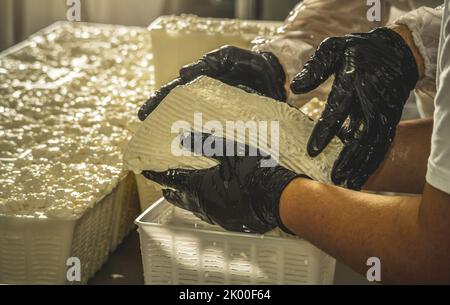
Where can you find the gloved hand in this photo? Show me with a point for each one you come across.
(258, 71)
(238, 194)
(374, 74)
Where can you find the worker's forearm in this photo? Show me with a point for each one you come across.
(405, 165)
(354, 226)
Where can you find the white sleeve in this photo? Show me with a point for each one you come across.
(307, 25)
(424, 24)
(438, 174)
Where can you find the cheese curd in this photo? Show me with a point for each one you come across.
(68, 104)
(181, 40)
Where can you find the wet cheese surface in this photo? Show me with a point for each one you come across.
(68, 104)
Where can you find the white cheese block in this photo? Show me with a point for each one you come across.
(151, 147)
(180, 40)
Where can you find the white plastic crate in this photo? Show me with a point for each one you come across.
(178, 248)
(35, 250)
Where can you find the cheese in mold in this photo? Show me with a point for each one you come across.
(180, 40)
(68, 104)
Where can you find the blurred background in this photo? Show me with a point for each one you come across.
(20, 18)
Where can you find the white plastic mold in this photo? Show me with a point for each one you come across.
(178, 248)
(35, 250)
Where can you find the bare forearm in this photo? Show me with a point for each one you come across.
(405, 165)
(354, 226)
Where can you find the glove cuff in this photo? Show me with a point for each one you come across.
(409, 65)
(266, 189)
(278, 216)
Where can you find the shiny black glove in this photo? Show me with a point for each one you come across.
(258, 72)
(374, 74)
(238, 194)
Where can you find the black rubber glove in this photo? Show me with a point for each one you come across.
(238, 194)
(374, 74)
(259, 72)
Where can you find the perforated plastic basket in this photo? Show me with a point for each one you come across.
(178, 248)
(35, 250)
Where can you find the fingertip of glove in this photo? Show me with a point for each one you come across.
(340, 172)
(358, 181)
(148, 174)
(158, 177)
(313, 148)
(304, 83)
(150, 105)
(313, 152)
(173, 197)
(336, 177)
(142, 114)
(191, 71)
(298, 86)
(282, 96)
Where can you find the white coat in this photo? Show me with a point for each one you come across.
(311, 21)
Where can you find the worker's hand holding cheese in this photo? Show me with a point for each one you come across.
(374, 74)
(239, 193)
(257, 71)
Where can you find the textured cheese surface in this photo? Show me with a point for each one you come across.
(313, 108)
(68, 104)
(191, 23)
(180, 40)
(151, 147)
